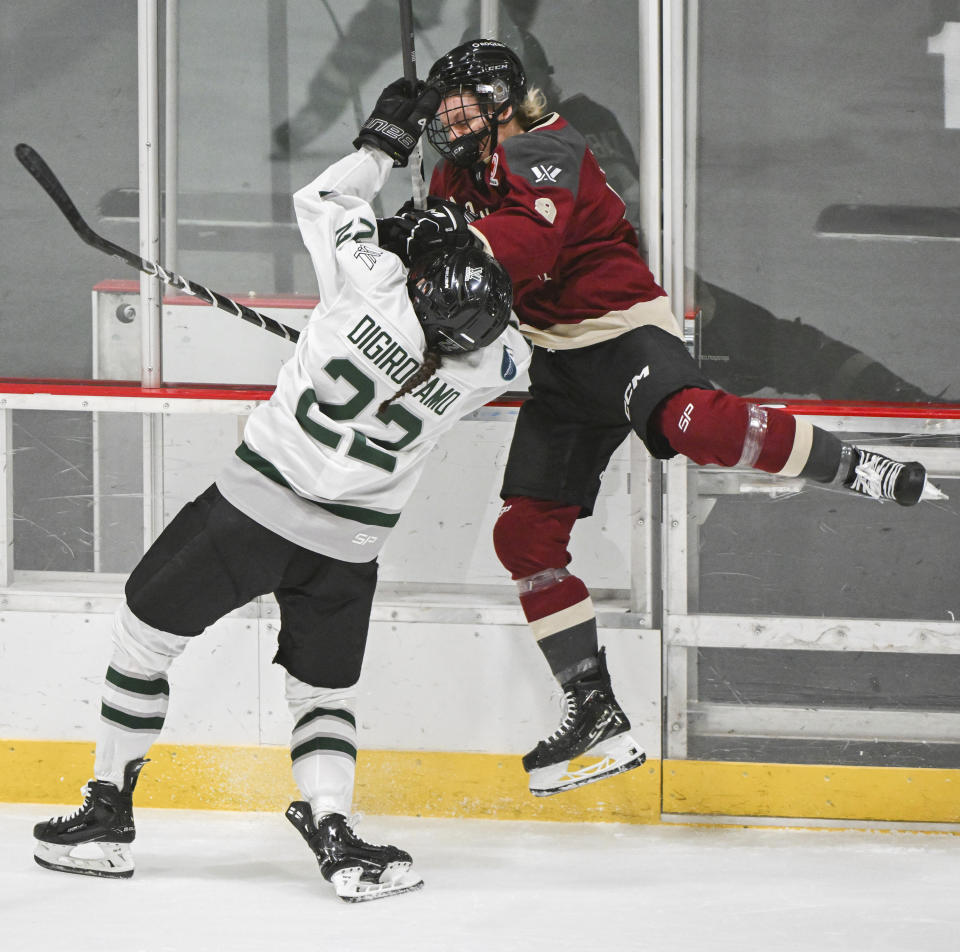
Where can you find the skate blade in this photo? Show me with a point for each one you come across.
(110, 860)
(394, 880)
(931, 492)
(616, 755)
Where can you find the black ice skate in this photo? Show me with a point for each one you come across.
(95, 839)
(357, 870)
(593, 726)
(880, 477)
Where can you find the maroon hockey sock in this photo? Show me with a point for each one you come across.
(712, 426)
(560, 613)
(532, 535)
(531, 538)
(564, 593)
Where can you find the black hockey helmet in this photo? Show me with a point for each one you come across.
(462, 299)
(492, 73)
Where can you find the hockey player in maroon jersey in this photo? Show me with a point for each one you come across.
(608, 358)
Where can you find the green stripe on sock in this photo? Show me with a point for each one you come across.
(130, 720)
(326, 712)
(322, 743)
(153, 686)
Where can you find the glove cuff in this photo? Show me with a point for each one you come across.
(375, 141)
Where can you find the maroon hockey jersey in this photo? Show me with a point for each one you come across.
(550, 218)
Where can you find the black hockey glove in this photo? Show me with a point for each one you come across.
(415, 232)
(398, 119)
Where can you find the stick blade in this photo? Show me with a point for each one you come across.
(35, 164)
(24, 152)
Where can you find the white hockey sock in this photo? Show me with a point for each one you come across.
(135, 693)
(323, 745)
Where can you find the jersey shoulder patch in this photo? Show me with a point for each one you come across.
(367, 255)
(508, 366)
(548, 157)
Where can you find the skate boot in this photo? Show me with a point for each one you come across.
(95, 839)
(357, 870)
(880, 477)
(593, 726)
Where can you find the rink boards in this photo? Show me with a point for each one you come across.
(454, 690)
(445, 711)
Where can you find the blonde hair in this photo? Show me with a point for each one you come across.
(532, 108)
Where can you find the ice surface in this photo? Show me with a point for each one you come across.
(212, 880)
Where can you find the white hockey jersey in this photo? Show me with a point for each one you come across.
(319, 464)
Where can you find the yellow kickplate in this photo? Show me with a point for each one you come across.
(407, 783)
(495, 786)
(492, 786)
(890, 794)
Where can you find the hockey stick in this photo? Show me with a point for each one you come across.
(410, 72)
(33, 162)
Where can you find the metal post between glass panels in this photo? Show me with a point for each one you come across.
(490, 19)
(151, 369)
(6, 498)
(151, 357)
(171, 132)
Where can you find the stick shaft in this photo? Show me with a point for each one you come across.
(33, 162)
(410, 72)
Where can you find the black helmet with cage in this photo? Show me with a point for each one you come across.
(462, 299)
(492, 74)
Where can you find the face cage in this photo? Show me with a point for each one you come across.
(466, 150)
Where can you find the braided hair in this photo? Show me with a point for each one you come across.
(432, 361)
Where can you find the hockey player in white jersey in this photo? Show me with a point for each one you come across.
(386, 364)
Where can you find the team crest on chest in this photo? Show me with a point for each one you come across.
(546, 208)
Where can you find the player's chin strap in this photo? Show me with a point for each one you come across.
(496, 122)
(467, 150)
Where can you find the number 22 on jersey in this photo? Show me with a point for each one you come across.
(375, 452)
